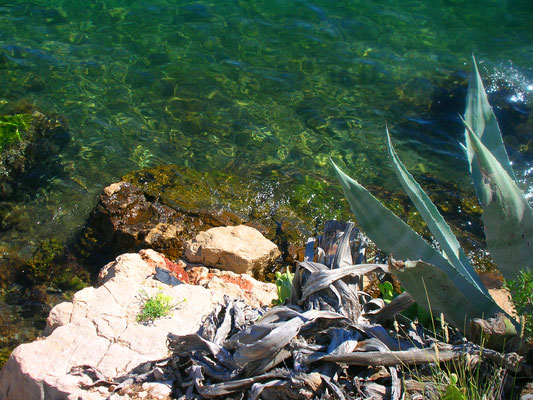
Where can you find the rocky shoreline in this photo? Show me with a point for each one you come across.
(128, 217)
(214, 224)
(98, 328)
(95, 347)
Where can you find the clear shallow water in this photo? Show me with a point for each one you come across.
(264, 89)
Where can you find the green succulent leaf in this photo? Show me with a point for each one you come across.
(283, 285)
(480, 117)
(394, 236)
(437, 225)
(435, 291)
(507, 216)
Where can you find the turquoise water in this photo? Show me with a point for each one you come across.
(264, 89)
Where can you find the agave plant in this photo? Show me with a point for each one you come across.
(444, 281)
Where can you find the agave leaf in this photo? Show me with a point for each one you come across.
(507, 216)
(480, 117)
(433, 290)
(394, 236)
(434, 220)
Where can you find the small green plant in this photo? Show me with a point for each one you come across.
(460, 381)
(387, 291)
(283, 286)
(463, 381)
(156, 306)
(521, 291)
(462, 378)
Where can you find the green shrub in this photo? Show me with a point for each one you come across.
(521, 291)
(154, 307)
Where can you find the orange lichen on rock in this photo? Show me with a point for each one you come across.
(177, 270)
(240, 286)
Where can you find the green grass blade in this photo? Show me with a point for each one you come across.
(430, 286)
(389, 232)
(507, 216)
(480, 117)
(434, 220)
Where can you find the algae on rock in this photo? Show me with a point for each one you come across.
(162, 207)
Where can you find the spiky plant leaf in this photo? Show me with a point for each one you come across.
(433, 289)
(437, 225)
(394, 236)
(480, 117)
(507, 216)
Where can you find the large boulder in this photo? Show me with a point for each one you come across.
(240, 249)
(99, 329)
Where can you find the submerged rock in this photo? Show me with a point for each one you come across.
(98, 329)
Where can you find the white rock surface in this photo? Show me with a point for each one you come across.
(99, 329)
(240, 249)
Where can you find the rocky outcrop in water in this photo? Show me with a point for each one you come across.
(163, 207)
(98, 329)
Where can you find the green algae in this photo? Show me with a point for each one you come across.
(31, 288)
(289, 213)
(16, 328)
(4, 356)
(225, 199)
(49, 265)
(41, 265)
(13, 128)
